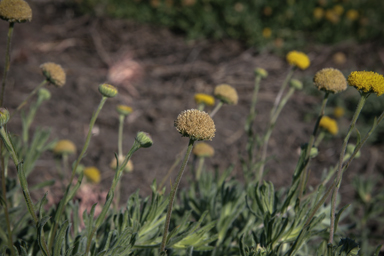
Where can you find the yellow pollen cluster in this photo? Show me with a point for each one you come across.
(203, 149)
(367, 81)
(64, 147)
(329, 124)
(318, 13)
(15, 11)
(267, 32)
(54, 73)
(330, 80)
(298, 59)
(204, 99)
(195, 124)
(226, 94)
(92, 174)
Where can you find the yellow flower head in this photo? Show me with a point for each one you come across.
(15, 11)
(338, 9)
(267, 32)
(226, 94)
(330, 80)
(298, 59)
(332, 16)
(367, 81)
(127, 168)
(352, 15)
(54, 73)
(203, 149)
(92, 174)
(201, 98)
(64, 147)
(195, 124)
(318, 13)
(108, 90)
(124, 110)
(329, 124)
(339, 58)
(338, 112)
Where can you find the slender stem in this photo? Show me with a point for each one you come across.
(282, 88)
(7, 61)
(120, 136)
(360, 105)
(254, 96)
(23, 181)
(174, 165)
(61, 207)
(200, 167)
(4, 194)
(267, 136)
(218, 106)
(25, 101)
(201, 106)
(173, 193)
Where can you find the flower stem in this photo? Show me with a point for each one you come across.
(25, 101)
(282, 88)
(173, 193)
(360, 105)
(7, 61)
(120, 136)
(218, 106)
(199, 168)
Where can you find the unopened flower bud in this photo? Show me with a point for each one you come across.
(107, 90)
(4, 116)
(144, 139)
(261, 72)
(44, 94)
(296, 84)
(124, 110)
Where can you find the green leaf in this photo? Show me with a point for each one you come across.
(40, 235)
(59, 240)
(43, 184)
(338, 215)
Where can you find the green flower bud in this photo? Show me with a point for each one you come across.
(261, 72)
(44, 94)
(314, 152)
(294, 83)
(4, 116)
(107, 90)
(144, 139)
(351, 149)
(124, 110)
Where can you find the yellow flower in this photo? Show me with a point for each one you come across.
(339, 58)
(204, 99)
(124, 110)
(338, 112)
(195, 124)
(338, 9)
(298, 59)
(331, 16)
(318, 13)
(203, 149)
(15, 11)
(352, 15)
(64, 147)
(267, 32)
(329, 124)
(54, 73)
(92, 174)
(330, 80)
(226, 94)
(367, 81)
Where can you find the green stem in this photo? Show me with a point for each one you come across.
(319, 139)
(282, 88)
(173, 193)
(120, 136)
(199, 168)
(29, 120)
(4, 192)
(254, 96)
(201, 106)
(267, 136)
(61, 207)
(22, 104)
(218, 106)
(7, 61)
(23, 180)
(360, 105)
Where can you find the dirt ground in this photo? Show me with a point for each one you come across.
(163, 72)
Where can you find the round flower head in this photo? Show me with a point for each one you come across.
(124, 110)
(298, 59)
(108, 90)
(64, 147)
(195, 124)
(330, 80)
(294, 83)
(352, 15)
(338, 112)
(54, 73)
(318, 13)
(201, 98)
(144, 139)
(15, 11)
(127, 168)
(4, 116)
(203, 149)
(261, 72)
(329, 124)
(367, 81)
(226, 94)
(92, 174)
(43, 94)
